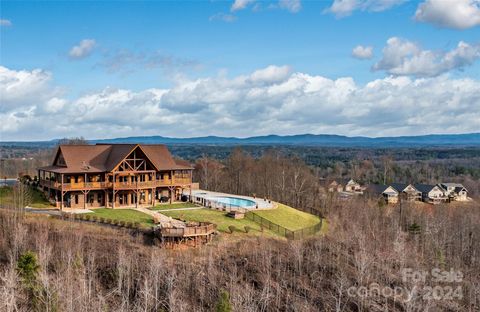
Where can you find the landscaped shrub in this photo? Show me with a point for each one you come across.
(94, 218)
(136, 225)
(108, 221)
(121, 223)
(129, 224)
(88, 217)
(247, 229)
(114, 222)
(101, 220)
(232, 228)
(156, 219)
(223, 304)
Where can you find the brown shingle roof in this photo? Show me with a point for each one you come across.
(117, 153)
(105, 157)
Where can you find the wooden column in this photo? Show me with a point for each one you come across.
(61, 195)
(105, 199)
(190, 193)
(113, 192)
(154, 195)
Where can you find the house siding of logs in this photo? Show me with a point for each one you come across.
(113, 176)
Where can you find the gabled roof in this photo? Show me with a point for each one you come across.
(458, 189)
(80, 158)
(105, 157)
(425, 188)
(117, 153)
(400, 187)
(379, 188)
(342, 181)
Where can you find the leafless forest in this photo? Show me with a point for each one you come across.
(78, 267)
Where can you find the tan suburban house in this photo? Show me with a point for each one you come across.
(345, 185)
(433, 194)
(407, 191)
(455, 191)
(386, 192)
(114, 175)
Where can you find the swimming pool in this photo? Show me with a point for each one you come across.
(233, 201)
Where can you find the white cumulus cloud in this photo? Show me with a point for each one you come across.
(293, 6)
(83, 49)
(223, 17)
(457, 14)
(5, 22)
(403, 57)
(269, 100)
(362, 52)
(342, 8)
(240, 4)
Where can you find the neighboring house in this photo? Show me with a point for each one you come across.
(335, 186)
(113, 175)
(407, 191)
(432, 193)
(455, 191)
(388, 193)
(345, 185)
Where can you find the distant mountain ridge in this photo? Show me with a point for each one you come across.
(469, 139)
(313, 140)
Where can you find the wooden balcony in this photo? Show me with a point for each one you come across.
(118, 185)
(87, 185)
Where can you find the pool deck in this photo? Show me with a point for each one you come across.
(260, 202)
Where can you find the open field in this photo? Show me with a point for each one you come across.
(288, 217)
(127, 215)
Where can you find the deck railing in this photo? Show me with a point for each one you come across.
(118, 185)
(199, 230)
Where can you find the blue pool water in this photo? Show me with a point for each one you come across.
(234, 201)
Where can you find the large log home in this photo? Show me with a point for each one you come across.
(114, 175)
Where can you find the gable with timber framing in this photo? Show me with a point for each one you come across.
(135, 161)
(59, 159)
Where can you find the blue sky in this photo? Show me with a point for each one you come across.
(207, 47)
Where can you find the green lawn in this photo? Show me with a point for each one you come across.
(6, 195)
(289, 217)
(173, 206)
(219, 218)
(127, 215)
(37, 200)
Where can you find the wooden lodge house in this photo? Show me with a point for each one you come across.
(113, 175)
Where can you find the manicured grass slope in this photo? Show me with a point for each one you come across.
(37, 200)
(173, 206)
(127, 215)
(6, 195)
(217, 217)
(288, 217)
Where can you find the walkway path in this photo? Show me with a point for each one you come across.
(164, 220)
